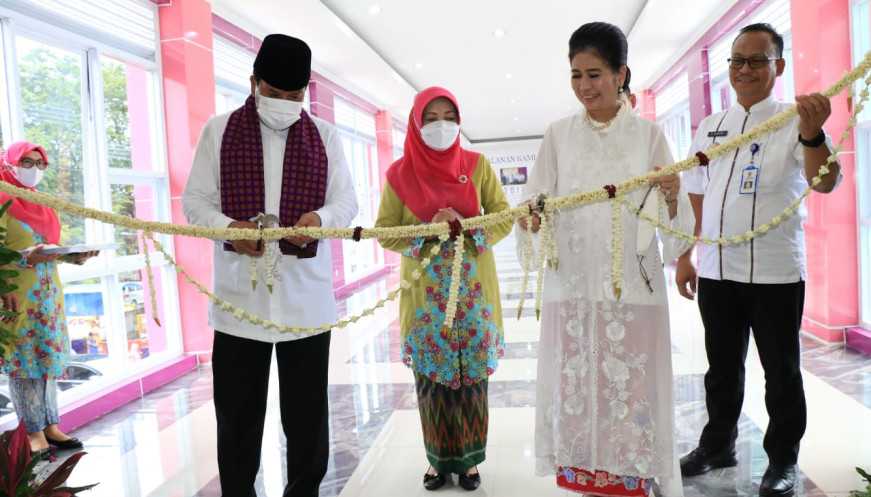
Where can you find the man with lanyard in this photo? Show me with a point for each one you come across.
(758, 284)
(270, 160)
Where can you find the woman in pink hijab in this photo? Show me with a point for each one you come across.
(438, 181)
(40, 354)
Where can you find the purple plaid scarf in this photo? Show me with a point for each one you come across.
(304, 180)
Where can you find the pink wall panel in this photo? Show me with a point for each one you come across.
(189, 92)
(822, 53)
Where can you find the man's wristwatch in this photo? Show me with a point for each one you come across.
(813, 142)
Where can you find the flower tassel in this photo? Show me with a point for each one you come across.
(147, 235)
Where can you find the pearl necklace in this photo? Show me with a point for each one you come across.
(602, 126)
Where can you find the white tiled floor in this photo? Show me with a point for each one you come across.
(395, 465)
(165, 446)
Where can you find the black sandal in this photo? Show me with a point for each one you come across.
(433, 482)
(68, 444)
(470, 482)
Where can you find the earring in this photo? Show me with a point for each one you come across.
(620, 90)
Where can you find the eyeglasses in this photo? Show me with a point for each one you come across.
(28, 163)
(753, 62)
(643, 272)
(640, 258)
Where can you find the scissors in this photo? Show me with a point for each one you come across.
(264, 221)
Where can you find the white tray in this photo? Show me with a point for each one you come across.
(78, 249)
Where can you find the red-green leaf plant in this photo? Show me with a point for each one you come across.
(17, 469)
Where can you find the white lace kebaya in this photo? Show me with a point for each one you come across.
(604, 370)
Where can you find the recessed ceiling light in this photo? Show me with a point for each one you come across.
(508, 76)
(374, 9)
(499, 33)
(516, 118)
(513, 100)
(418, 66)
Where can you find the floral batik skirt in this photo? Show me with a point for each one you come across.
(602, 483)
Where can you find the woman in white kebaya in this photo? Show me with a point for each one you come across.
(605, 419)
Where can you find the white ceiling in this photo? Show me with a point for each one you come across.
(337, 52)
(507, 86)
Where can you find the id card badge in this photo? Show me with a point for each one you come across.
(749, 180)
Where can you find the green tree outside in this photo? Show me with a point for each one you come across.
(51, 91)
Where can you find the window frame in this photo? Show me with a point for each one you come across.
(678, 112)
(862, 141)
(98, 181)
(358, 136)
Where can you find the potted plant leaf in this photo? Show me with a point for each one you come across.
(863, 493)
(17, 469)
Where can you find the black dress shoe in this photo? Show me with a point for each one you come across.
(470, 482)
(778, 481)
(71, 444)
(700, 461)
(433, 482)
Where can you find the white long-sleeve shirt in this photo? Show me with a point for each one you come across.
(304, 294)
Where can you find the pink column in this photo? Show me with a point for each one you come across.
(189, 93)
(384, 138)
(647, 105)
(700, 86)
(821, 47)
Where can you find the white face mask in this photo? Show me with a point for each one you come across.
(29, 177)
(440, 135)
(277, 113)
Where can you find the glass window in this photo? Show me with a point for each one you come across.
(97, 111)
(233, 63)
(357, 131)
(51, 104)
(398, 143)
(361, 258)
(110, 322)
(774, 12)
(861, 36)
(675, 93)
(227, 100)
(722, 95)
(86, 314)
(677, 129)
(863, 187)
(233, 66)
(144, 336)
(134, 200)
(673, 114)
(785, 88)
(129, 103)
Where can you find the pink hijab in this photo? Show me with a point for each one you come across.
(427, 180)
(40, 218)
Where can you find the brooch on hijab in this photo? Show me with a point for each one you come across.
(463, 178)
